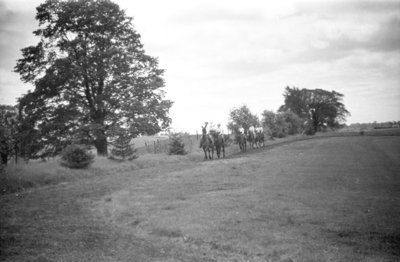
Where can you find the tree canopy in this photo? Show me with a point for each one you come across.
(242, 117)
(318, 108)
(91, 76)
(281, 124)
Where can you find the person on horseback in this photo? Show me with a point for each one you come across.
(204, 128)
(252, 130)
(220, 132)
(207, 142)
(260, 136)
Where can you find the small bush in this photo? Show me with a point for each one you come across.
(123, 150)
(176, 145)
(76, 156)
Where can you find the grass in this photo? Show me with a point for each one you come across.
(327, 199)
(38, 173)
(23, 176)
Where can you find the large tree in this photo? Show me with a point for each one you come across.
(91, 75)
(317, 107)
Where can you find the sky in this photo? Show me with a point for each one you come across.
(220, 55)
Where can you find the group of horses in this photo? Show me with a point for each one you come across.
(255, 140)
(217, 142)
(209, 144)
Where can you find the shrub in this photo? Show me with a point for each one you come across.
(281, 124)
(76, 156)
(176, 145)
(123, 150)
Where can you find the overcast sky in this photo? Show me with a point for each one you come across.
(219, 55)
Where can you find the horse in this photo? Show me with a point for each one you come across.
(219, 143)
(241, 139)
(207, 144)
(260, 139)
(252, 139)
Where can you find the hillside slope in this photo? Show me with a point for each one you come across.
(328, 199)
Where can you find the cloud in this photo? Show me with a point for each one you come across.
(342, 7)
(387, 38)
(209, 14)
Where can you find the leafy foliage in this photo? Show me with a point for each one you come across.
(318, 108)
(176, 145)
(91, 74)
(281, 124)
(76, 156)
(241, 117)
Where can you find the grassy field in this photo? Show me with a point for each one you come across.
(326, 199)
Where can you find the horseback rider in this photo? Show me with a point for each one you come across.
(252, 131)
(219, 131)
(208, 135)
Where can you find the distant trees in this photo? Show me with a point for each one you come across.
(242, 117)
(318, 108)
(304, 110)
(281, 124)
(91, 74)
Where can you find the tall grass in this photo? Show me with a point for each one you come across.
(26, 175)
(22, 176)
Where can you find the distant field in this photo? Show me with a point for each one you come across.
(141, 141)
(371, 132)
(326, 199)
(159, 144)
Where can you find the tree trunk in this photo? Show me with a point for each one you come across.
(4, 158)
(4, 152)
(101, 145)
(100, 141)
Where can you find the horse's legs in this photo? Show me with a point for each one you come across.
(223, 151)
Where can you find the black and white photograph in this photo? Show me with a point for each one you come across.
(216, 131)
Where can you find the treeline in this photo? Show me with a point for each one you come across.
(375, 125)
(304, 111)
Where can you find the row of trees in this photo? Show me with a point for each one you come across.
(304, 110)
